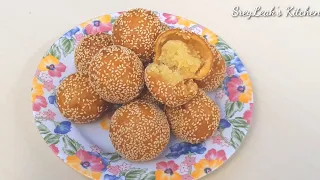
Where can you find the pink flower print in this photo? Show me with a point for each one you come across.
(183, 168)
(49, 115)
(115, 170)
(39, 102)
(167, 165)
(217, 140)
(44, 77)
(230, 71)
(215, 155)
(37, 73)
(170, 19)
(97, 26)
(125, 167)
(79, 37)
(189, 161)
(56, 70)
(49, 85)
(187, 177)
(247, 116)
(54, 149)
(96, 149)
(91, 161)
(239, 88)
(196, 29)
(220, 94)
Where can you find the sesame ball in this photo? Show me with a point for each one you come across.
(148, 97)
(181, 57)
(116, 74)
(139, 131)
(196, 120)
(77, 101)
(137, 29)
(217, 73)
(88, 48)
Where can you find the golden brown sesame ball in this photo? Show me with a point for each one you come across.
(88, 48)
(180, 58)
(216, 76)
(147, 96)
(139, 131)
(116, 74)
(196, 120)
(137, 30)
(77, 101)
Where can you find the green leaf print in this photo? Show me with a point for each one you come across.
(115, 157)
(149, 176)
(70, 145)
(135, 174)
(43, 129)
(225, 51)
(239, 122)
(54, 51)
(52, 138)
(232, 108)
(236, 137)
(67, 45)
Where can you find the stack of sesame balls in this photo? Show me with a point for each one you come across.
(144, 66)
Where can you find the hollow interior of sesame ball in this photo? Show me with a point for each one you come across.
(177, 61)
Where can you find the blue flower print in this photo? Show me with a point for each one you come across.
(111, 177)
(52, 99)
(185, 148)
(71, 33)
(224, 124)
(63, 127)
(238, 64)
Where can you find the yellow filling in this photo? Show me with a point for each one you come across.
(178, 61)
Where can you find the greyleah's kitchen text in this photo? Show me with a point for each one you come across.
(290, 11)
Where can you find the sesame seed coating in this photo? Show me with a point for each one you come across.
(217, 73)
(196, 120)
(137, 29)
(77, 101)
(139, 131)
(88, 48)
(116, 74)
(148, 97)
(167, 93)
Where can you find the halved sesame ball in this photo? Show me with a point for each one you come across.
(217, 74)
(181, 57)
(77, 101)
(139, 131)
(88, 48)
(196, 120)
(137, 29)
(116, 74)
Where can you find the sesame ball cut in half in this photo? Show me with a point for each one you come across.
(196, 120)
(180, 58)
(77, 101)
(88, 48)
(137, 29)
(139, 131)
(217, 73)
(116, 74)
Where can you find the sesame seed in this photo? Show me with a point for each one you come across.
(139, 131)
(88, 48)
(77, 100)
(196, 120)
